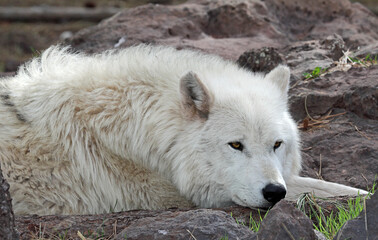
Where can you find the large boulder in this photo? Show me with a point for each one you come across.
(197, 224)
(286, 222)
(229, 28)
(364, 226)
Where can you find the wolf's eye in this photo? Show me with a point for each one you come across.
(236, 145)
(277, 145)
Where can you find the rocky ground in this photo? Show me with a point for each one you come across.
(336, 111)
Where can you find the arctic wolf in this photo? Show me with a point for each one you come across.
(148, 128)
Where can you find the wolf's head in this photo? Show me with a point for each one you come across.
(245, 143)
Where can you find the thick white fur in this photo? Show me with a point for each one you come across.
(121, 131)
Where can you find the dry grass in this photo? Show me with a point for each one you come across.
(311, 123)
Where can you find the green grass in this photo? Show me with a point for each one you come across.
(315, 73)
(330, 224)
(224, 238)
(346, 60)
(253, 224)
(366, 61)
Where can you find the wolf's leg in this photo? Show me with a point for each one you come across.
(298, 185)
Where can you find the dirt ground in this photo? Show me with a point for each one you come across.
(20, 41)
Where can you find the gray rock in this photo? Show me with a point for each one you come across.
(195, 224)
(285, 222)
(319, 235)
(352, 230)
(362, 227)
(372, 217)
(7, 226)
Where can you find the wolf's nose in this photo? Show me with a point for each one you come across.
(274, 192)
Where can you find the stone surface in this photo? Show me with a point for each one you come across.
(107, 226)
(352, 230)
(372, 219)
(362, 227)
(319, 235)
(347, 145)
(228, 28)
(7, 225)
(286, 222)
(261, 60)
(196, 224)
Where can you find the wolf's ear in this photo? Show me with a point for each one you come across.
(280, 76)
(195, 96)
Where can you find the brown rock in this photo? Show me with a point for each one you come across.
(345, 150)
(109, 225)
(286, 222)
(335, 44)
(354, 90)
(229, 28)
(347, 146)
(197, 224)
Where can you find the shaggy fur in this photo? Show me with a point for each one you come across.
(146, 128)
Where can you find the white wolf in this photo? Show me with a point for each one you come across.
(148, 128)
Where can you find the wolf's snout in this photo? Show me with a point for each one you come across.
(274, 192)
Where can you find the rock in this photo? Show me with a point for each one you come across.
(336, 45)
(359, 228)
(319, 235)
(197, 224)
(372, 220)
(230, 28)
(109, 225)
(285, 222)
(347, 145)
(7, 226)
(347, 149)
(260, 60)
(304, 20)
(343, 89)
(352, 230)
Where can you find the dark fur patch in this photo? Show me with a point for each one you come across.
(6, 101)
(171, 145)
(20, 117)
